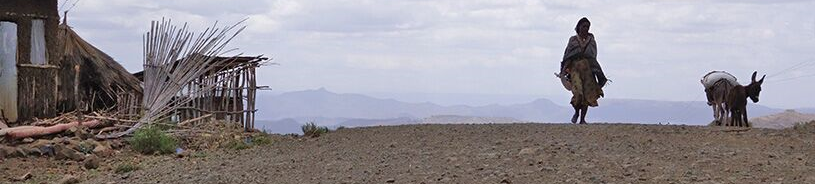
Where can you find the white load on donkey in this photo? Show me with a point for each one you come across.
(717, 86)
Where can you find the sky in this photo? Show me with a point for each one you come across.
(655, 50)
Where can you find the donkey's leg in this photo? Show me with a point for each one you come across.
(744, 116)
(715, 112)
(733, 117)
(723, 114)
(736, 118)
(718, 113)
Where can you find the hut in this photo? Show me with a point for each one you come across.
(233, 97)
(46, 68)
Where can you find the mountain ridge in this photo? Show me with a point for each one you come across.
(328, 108)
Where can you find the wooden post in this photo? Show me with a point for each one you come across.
(77, 99)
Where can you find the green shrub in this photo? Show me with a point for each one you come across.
(312, 130)
(126, 167)
(262, 139)
(237, 145)
(151, 140)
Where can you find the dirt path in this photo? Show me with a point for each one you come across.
(509, 153)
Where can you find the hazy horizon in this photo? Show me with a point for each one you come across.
(651, 50)
(284, 113)
(469, 99)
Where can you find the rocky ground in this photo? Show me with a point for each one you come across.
(496, 153)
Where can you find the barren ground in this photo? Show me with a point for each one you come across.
(508, 153)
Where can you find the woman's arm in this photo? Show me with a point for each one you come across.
(572, 48)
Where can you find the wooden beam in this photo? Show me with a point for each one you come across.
(38, 66)
(194, 120)
(111, 119)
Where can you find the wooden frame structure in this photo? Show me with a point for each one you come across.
(233, 97)
(233, 100)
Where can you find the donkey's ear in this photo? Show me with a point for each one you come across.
(762, 79)
(754, 76)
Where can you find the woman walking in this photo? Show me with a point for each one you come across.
(582, 70)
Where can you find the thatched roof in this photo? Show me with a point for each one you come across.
(99, 71)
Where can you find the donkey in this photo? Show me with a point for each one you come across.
(717, 96)
(737, 100)
(717, 85)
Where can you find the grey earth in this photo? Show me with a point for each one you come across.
(502, 153)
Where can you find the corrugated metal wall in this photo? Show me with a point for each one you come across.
(8, 70)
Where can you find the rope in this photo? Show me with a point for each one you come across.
(72, 6)
(792, 78)
(797, 66)
(63, 4)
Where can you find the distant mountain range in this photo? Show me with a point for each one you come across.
(786, 119)
(284, 113)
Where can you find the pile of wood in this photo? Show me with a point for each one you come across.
(69, 136)
(51, 126)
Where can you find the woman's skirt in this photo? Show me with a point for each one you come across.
(585, 90)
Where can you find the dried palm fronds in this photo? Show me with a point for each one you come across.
(173, 58)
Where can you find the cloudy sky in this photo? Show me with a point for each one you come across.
(650, 49)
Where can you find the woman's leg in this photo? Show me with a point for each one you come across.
(576, 113)
(583, 112)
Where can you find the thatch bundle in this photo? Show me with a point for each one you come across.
(97, 78)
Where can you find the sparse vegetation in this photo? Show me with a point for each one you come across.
(93, 173)
(237, 145)
(199, 154)
(803, 125)
(126, 168)
(261, 139)
(165, 125)
(312, 130)
(85, 147)
(151, 140)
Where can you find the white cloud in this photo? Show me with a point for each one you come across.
(489, 46)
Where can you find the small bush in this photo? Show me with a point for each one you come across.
(312, 130)
(247, 142)
(262, 139)
(237, 145)
(803, 125)
(126, 168)
(151, 140)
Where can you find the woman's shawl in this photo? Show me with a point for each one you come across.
(578, 48)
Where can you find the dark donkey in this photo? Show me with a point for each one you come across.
(737, 101)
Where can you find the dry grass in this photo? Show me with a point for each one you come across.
(126, 168)
(312, 130)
